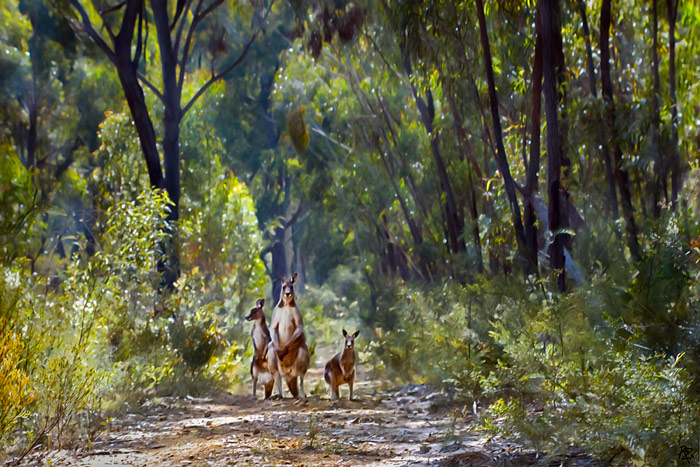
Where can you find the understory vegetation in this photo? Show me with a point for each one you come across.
(503, 198)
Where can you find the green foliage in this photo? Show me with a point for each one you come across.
(557, 371)
(571, 385)
(16, 389)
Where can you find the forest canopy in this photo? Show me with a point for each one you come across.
(503, 196)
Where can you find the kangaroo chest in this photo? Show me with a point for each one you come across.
(285, 322)
(347, 361)
(260, 338)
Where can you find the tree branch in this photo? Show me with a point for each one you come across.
(215, 4)
(86, 25)
(221, 74)
(139, 38)
(228, 69)
(186, 48)
(150, 86)
(116, 7)
(295, 217)
(178, 34)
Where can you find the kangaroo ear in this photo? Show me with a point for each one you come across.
(345, 333)
(260, 302)
(357, 333)
(294, 277)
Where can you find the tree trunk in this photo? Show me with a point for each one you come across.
(605, 154)
(621, 175)
(33, 140)
(279, 263)
(590, 69)
(555, 211)
(659, 169)
(454, 221)
(464, 147)
(533, 166)
(412, 227)
(501, 158)
(560, 69)
(672, 10)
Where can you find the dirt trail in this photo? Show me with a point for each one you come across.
(412, 426)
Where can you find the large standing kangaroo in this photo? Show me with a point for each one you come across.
(287, 330)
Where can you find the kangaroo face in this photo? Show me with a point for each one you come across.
(350, 339)
(257, 312)
(287, 294)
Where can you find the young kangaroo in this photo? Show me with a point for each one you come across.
(263, 368)
(341, 368)
(287, 331)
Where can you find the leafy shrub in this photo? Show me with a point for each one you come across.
(15, 387)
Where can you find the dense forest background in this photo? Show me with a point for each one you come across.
(503, 196)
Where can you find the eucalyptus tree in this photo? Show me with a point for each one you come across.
(177, 51)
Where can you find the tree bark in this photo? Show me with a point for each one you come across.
(533, 165)
(590, 69)
(171, 124)
(556, 206)
(621, 175)
(172, 110)
(464, 147)
(454, 220)
(659, 169)
(672, 11)
(127, 72)
(501, 158)
(605, 154)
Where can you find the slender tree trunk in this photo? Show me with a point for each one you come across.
(621, 175)
(659, 169)
(554, 148)
(412, 227)
(560, 70)
(144, 126)
(590, 69)
(672, 10)
(454, 221)
(501, 158)
(32, 142)
(605, 154)
(127, 72)
(171, 124)
(533, 166)
(463, 145)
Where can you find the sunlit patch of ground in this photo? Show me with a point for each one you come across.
(412, 426)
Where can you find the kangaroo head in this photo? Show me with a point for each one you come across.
(350, 339)
(257, 312)
(287, 293)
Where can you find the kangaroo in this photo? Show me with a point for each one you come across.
(287, 330)
(263, 368)
(341, 368)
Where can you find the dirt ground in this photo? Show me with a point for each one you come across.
(409, 426)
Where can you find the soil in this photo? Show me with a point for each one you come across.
(409, 426)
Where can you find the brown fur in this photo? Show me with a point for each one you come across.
(341, 368)
(287, 331)
(264, 365)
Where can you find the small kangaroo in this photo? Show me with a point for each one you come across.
(263, 368)
(341, 368)
(287, 331)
